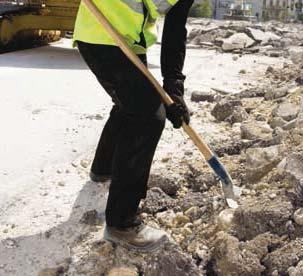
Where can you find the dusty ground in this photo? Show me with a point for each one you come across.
(52, 216)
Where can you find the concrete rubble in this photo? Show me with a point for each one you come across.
(257, 132)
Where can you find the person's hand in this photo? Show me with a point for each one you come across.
(178, 111)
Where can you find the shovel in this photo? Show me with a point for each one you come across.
(210, 157)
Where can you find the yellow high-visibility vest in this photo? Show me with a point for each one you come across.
(133, 19)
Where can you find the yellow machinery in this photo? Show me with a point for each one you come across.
(35, 19)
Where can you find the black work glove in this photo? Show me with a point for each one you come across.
(177, 112)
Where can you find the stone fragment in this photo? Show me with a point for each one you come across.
(170, 262)
(292, 165)
(203, 96)
(84, 163)
(252, 130)
(287, 111)
(277, 122)
(296, 54)
(261, 36)
(225, 108)
(123, 271)
(284, 257)
(157, 201)
(193, 213)
(180, 220)
(225, 218)
(237, 41)
(257, 216)
(280, 92)
(170, 185)
(298, 216)
(296, 271)
(166, 218)
(229, 258)
(260, 161)
(238, 115)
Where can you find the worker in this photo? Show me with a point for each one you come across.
(130, 136)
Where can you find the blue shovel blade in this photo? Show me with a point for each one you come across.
(227, 183)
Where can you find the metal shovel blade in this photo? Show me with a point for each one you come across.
(227, 183)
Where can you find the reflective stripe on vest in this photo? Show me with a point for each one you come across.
(134, 5)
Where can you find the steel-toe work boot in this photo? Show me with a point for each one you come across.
(141, 238)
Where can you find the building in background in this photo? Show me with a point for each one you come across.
(264, 10)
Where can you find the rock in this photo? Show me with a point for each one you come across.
(261, 36)
(170, 261)
(292, 165)
(170, 185)
(287, 111)
(157, 201)
(166, 218)
(203, 96)
(192, 199)
(229, 259)
(277, 122)
(180, 220)
(123, 271)
(242, 71)
(237, 41)
(84, 163)
(238, 115)
(225, 108)
(298, 216)
(290, 125)
(225, 218)
(284, 257)
(272, 94)
(257, 216)
(193, 213)
(260, 161)
(296, 271)
(296, 54)
(253, 130)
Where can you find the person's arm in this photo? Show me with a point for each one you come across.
(172, 61)
(174, 40)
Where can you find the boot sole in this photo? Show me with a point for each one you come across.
(149, 248)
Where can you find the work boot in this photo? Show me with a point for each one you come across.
(98, 178)
(141, 238)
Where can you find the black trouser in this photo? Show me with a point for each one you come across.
(131, 134)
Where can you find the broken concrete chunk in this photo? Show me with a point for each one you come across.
(252, 130)
(257, 216)
(203, 96)
(284, 257)
(261, 36)
(287, 111)
(276, 93)
(292, 165)
(237, 41)
(260, 161)
(298, 216)
(296, 54)
(123, 271)
(225, 108)
(230, 259)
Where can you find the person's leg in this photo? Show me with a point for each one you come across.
(134, 143)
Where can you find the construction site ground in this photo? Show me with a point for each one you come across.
(247, 104)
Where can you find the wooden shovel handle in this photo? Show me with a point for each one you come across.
(198, 141)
